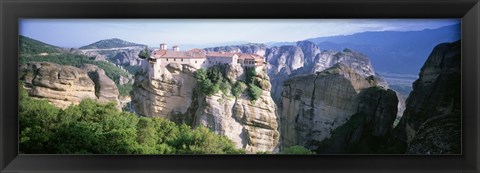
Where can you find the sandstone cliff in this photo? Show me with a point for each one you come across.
(313, 106)
(66, 85)
(166, 96)
(105, 88)
(431, 123)
(252, 125)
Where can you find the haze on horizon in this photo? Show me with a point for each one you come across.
(207, 32)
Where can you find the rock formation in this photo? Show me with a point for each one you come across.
(66, 85)
(166, 96)
(250, 48)
(431, 123)
(313, 106)
(128, 57)
(303, 58)
(306, 58)
(105, 88)
(252, 125)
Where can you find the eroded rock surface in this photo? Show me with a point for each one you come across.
(66, 85)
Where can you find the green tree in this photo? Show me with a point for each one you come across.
(225, 87)
(238, 88)
(37, 124)
(296, 149)
(254, 91)
(145, 53)
(251, 73)
(215, 74)
(201, 74)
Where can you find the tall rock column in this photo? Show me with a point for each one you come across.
(431, 123)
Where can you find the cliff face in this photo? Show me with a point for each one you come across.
(303, 58)
(66, 85)
(307, 58)
(172, 94)
(251, 125)
(105, 88)
(118, 55)
(431, 123)
(313, 106)
(251, 48)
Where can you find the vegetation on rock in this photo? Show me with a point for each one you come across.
(93, 128)
(213, 80)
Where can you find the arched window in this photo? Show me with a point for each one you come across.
(167, 59)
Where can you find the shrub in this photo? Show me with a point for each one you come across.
(254, 91)
(225, 87)
(297, 150)
(238, 88)
(145, 53)
(201, 74)
(251, 73)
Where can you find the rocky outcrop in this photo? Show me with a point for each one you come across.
(431, 123)
(105, 88)
(66, 85)
(172, 94)
(127, 57)
(313, 106)
(251, 48)
(251, 125)
(306, 58)
(366, 130)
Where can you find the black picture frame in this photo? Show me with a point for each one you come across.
(11, 11)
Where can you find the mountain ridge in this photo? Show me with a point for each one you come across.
(111, 43)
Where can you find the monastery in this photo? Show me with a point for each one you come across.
(198, 58)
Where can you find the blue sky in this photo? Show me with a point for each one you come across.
(79, 32)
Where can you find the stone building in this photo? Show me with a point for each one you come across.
(198, 58)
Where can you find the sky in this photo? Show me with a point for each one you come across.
(74, 33)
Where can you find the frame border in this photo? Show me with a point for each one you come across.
(11, 11)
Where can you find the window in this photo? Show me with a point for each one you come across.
(167, 59)
(182, 59)
(195, 61)
(174, 59)
(238, 61)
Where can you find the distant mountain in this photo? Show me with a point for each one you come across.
(111, 43)
(391, 51)
(30, 46)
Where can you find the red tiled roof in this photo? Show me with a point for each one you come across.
(178, 54)
(250, 56)
(159, 53)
